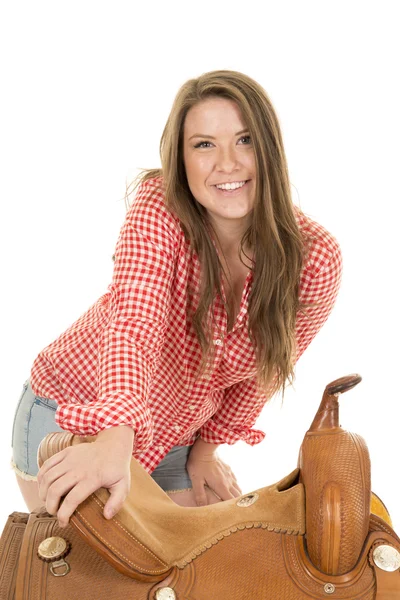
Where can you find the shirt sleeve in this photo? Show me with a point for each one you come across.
(320, 283)
(131, 341)
(234, 419)
(243, 402)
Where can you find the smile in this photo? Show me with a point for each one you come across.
(230, 186)
(232, 189)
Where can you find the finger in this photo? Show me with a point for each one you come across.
(73, 499)
(223, 491)
(59, 488)
(49, 464)
(50, 478)
(118, 494)
(199, 492)
(236, 491)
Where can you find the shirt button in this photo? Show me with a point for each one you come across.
(191, 406)
(177, 427)
(161, 448)
(218, 342)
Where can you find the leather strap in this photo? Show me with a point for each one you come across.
(387, 584)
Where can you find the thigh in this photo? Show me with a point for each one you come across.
(34, 418)
(172, 476)
(171, 473)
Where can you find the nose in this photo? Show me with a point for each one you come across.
(226, 159)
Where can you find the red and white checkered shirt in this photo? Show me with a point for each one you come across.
(131, 358)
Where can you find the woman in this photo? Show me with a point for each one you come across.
(219, 285)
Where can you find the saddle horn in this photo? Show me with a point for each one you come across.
(336, 472)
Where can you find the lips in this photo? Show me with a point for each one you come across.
(234, 192)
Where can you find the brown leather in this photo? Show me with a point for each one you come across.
(10, 546)
(142, 526)
(252, 563)
(336, 472)
(311, 535)
(90, 576)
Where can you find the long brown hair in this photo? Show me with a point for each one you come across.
(273, 235)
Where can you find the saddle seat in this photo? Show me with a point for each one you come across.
(161, 535)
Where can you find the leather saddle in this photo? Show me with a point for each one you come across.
(317, 533)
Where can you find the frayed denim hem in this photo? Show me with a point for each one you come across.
(21, 474)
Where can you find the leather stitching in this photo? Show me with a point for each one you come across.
(106, 543)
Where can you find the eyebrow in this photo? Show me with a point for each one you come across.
(211, 137)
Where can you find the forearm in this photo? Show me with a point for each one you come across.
(122, 434)
(204, 448)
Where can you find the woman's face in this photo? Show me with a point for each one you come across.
(217, 149)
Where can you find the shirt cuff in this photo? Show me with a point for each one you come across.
(89, 419)
(214, 433)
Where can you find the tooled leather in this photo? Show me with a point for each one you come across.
(357, 584)
(33, 572)
(228, 572)
(250, 564)
(90, 578)
(378, 524)
(340, 456)
(10, 547)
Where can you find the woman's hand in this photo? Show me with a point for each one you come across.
(78, 471)
(206, 468)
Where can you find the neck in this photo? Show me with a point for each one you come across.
(228, 238)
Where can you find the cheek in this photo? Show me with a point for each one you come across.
(197, 170)
(251, 163)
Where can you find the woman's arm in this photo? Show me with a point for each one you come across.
(78, 471)
(129, 347)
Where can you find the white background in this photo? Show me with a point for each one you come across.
(86, 89)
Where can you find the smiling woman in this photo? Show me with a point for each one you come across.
(219, 286)
(228, 162)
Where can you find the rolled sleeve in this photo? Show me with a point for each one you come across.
(234, 420)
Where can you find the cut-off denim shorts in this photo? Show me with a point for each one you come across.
(35, 418)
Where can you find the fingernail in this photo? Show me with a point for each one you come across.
(110, 514)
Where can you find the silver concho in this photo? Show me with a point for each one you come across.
(248, 500)
(386, 558)
(329, 588)
(165, 593)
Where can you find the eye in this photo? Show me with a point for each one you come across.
(246, 137)
(200, 144)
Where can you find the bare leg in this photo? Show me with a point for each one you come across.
(30, 492)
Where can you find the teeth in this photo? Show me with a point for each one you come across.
(231, 186)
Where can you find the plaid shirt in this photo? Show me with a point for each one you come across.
(131, 358)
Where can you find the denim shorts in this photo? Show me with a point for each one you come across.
(35, 418)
